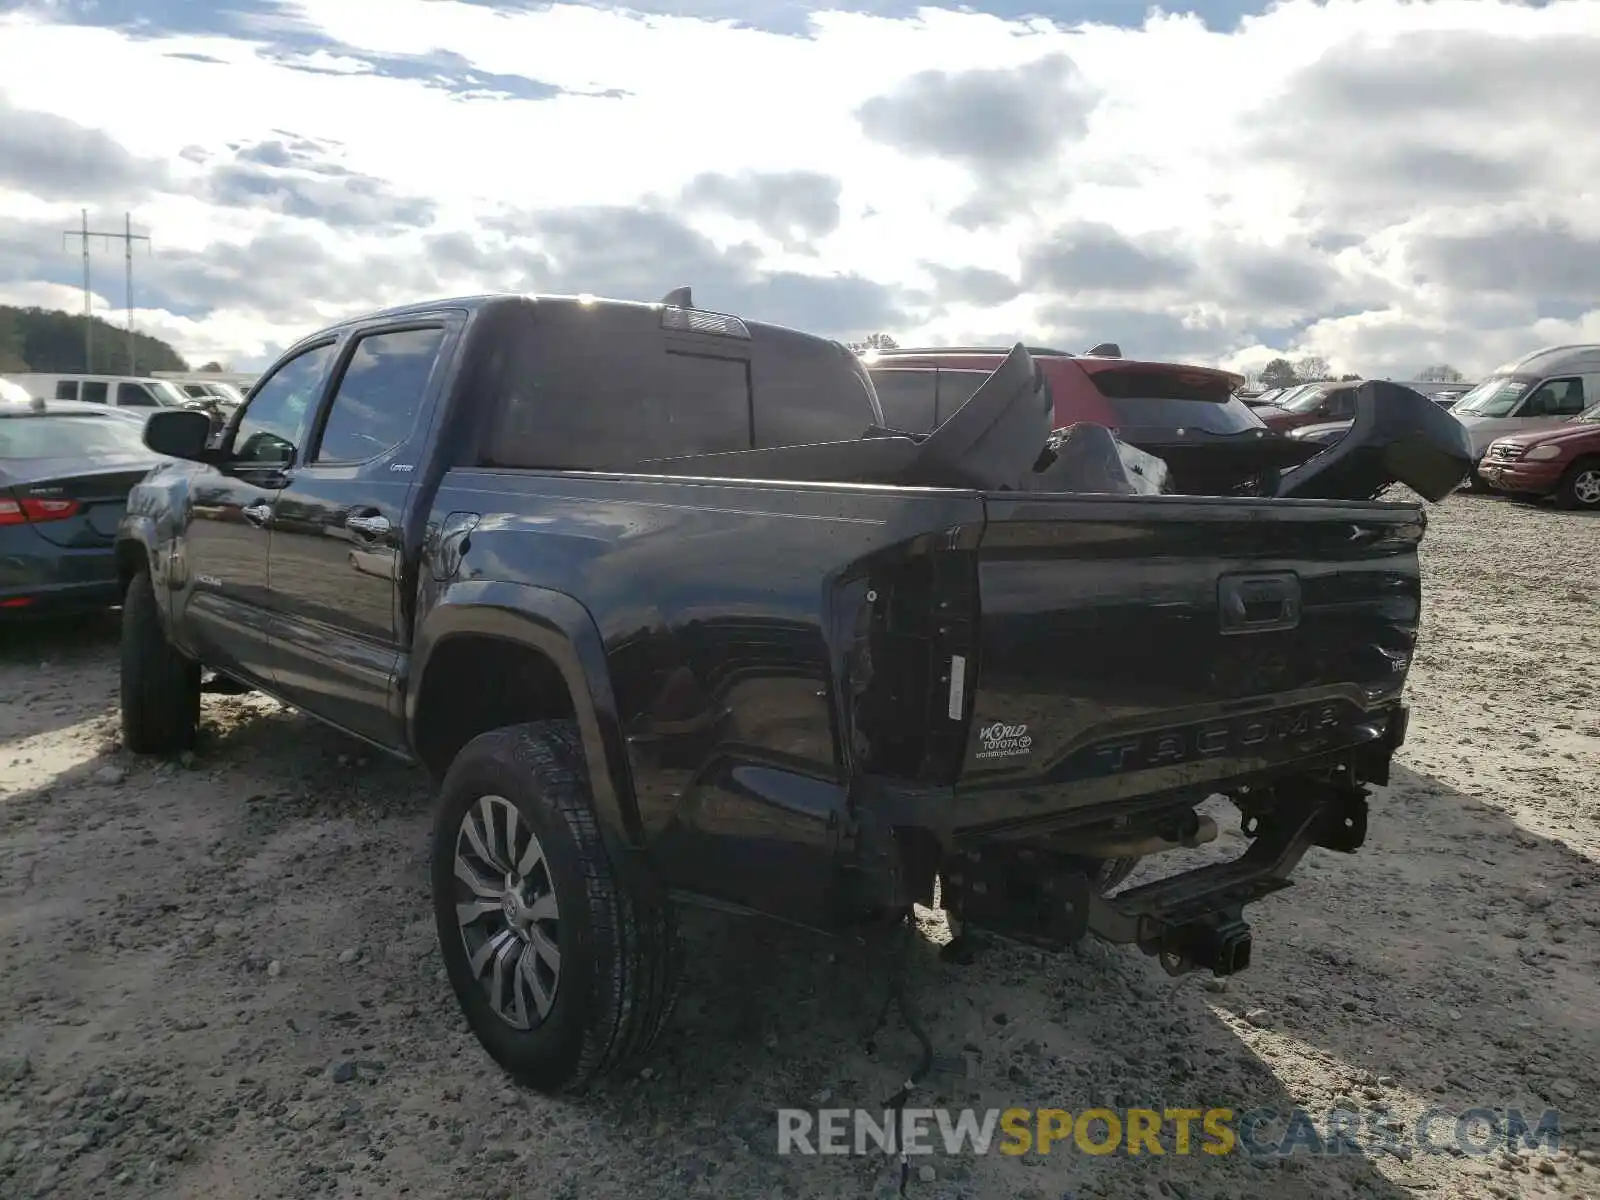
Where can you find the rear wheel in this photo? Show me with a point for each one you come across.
(1580, 486)
(564, 963)
(160, 688)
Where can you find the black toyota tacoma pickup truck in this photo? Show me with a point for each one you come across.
(675, 619)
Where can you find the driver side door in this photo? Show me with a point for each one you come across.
(226, 615)
(339, 529)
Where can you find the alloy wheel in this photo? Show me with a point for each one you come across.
(507, 912)
(1586, 487)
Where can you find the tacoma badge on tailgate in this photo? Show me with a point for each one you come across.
(1287, 733)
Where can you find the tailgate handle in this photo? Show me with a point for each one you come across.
(1258, 603)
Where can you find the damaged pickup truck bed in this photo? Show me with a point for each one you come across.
(676, 620)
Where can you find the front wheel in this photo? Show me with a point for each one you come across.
(160, 688)
(1580, 486)
(565, 966)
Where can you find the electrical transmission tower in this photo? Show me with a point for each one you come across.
(127, 237)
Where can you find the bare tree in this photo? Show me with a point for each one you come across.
(1313, 368)
(875, 341)
(1440, 373)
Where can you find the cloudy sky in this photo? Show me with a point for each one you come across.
(1384, 184)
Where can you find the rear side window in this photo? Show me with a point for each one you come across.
(94, 391)
(66, 389)
(375, 405)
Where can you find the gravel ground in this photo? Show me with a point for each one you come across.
(218, 977)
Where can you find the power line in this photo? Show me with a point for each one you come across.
(127, 237)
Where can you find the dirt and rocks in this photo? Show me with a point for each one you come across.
(218, 976)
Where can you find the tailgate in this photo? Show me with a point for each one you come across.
(1130, 647)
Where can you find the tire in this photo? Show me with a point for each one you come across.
(160, 687)
(614, 982)
(1580, 486)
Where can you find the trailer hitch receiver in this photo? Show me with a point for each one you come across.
(1221, 947)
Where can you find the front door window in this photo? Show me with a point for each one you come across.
(1556, 398)
(271, 420)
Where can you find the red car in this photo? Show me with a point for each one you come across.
(1313, 406)
(1563, 461)
(1187, 416)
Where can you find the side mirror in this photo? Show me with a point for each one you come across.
(178, 433)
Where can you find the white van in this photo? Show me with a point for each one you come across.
(1536, 391)
(117, 391)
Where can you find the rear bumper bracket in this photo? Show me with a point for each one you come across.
(1194, 920)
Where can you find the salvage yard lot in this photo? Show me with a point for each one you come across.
(218, 977)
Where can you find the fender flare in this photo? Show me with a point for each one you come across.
(142, 533)
(562, 629)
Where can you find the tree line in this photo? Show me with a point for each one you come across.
(1281, 373)
(42, 339)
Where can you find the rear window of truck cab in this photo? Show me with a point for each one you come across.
(602, 387)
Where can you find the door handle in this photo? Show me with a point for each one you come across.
(257, 514)
(374, 526)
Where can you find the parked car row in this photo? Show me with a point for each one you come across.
(68, 441)
(133, 393)
(113, 391)
(1534, 423)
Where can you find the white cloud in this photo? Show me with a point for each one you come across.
(1313, 181)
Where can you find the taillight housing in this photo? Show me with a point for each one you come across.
(33, 510)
